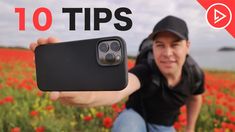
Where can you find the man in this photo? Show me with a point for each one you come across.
(150, 107)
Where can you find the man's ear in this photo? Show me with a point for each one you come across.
(188, 43)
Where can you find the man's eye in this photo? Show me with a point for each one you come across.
(175, 45)
(158, 45)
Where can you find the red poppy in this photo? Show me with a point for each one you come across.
(116, 108)
(9, 99)
(34, 113)
(231, 126)
(182, 119)
(2, 102)
(123, 106)
(99, 114)
(15, 129)
(40, 129)
(218, 130)
(177, 126)
(107, 122)
(232, 119)
(130, 64)
(183, 109)
(87, 118)
(39, 93)
(224, 124)
(49, 107)
(219, 112)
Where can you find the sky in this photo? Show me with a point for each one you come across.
(145, 14)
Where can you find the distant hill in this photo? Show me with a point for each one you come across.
(227, 49)
(131, 57)
(16, 47)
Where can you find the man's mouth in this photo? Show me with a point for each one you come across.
(168, 64)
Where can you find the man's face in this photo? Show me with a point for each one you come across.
(169, 53)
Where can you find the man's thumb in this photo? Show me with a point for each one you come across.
(54, 95)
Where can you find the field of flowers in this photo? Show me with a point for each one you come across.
(23, 108)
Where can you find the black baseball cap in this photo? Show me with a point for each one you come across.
(171, 24)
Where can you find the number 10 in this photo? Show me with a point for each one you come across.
(36, 14)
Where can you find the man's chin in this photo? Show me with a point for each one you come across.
(167, 71)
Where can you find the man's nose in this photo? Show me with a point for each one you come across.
(167, 52)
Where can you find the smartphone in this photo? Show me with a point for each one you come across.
(98, 64)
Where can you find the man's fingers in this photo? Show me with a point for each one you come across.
(74, 94)
(42, 41)
(67, 94)
(67, 101)
(33, 46)
(71, 102)
(53, 40)
(54, 95)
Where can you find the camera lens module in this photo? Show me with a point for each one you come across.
(104, 47)
(115, 46)
(110, 58)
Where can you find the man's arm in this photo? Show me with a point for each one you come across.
(193, 108)
(90, 98)
(97, 98)
(109, 98)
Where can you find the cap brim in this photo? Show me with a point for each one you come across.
(154, 34)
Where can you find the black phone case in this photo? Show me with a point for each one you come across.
(73, 66)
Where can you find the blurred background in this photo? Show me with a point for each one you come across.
(24, 108)
(205, 41)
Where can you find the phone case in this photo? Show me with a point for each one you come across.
(73, 66)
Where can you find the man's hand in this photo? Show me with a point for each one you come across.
(89, 98)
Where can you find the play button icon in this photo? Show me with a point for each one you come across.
(218, 16)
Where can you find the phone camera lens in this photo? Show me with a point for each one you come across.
(115, 46)
(118, 58)
(110, 58)
(103, 47)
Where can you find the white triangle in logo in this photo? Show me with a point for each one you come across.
(218, 16)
